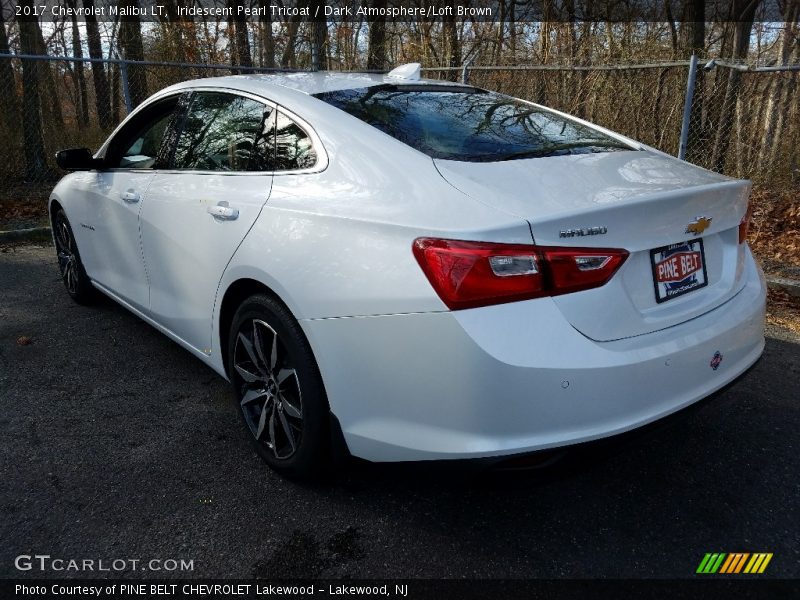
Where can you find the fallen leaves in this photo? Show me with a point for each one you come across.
(22, 212)
(783, 310)
(774, 233)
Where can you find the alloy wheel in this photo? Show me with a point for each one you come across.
(67, 258)
(269, 389)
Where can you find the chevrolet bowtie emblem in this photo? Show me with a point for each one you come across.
(699, 225)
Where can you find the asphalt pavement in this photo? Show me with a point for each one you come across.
(117, 443)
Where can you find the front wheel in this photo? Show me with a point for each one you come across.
(278, 389)
(69, 261)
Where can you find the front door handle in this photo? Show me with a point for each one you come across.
(223, 212)
(130, 196)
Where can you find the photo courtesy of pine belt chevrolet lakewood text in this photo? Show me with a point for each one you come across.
(411, 270)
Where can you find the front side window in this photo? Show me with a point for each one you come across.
(140, 144)
(224, 132)
(468, 124)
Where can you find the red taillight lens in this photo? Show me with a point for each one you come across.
(575, 269)
(463, 276)
(471, 274)
(745, 224)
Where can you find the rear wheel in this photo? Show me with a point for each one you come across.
(278, 388)
(69, 261)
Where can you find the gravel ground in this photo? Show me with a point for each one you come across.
(119, 444)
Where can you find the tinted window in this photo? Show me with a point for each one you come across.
(293, 147)
(468, 124)
(138, 144)
(224, 132)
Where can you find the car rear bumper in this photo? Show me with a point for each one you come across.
(517, 378)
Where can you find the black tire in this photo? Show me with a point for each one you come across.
(73, 274)
(278, 390)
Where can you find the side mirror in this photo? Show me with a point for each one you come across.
(77, 159)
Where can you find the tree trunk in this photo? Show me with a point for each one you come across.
(35, 163)
(9, 102)
(101, 93)
(243, 54)
(80, 76)
(319, 34)
(774, 116)
(693, 29)
(497, 52)
(115, 103)
(51, 106)
(130, 40)
(452, 46)
(376, 51)
(693, 41)
(744, 12)
(512, 30)
(288, 59)
(267, 40)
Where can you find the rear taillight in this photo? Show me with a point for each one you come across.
(471, 274)
(744, 225)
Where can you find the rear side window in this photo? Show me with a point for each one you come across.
(468, 124)
(224, 132)
(293, 147)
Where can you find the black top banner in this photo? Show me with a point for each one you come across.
(617, 11)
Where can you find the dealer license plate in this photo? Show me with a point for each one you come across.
(678, 269)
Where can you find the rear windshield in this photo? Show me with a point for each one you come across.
(468, 124)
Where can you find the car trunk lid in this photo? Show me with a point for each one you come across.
(678, 222)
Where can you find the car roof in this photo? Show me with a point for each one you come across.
(306, 83)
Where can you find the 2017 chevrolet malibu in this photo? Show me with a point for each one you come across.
(414, 269)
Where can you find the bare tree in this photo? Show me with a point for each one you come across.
(267, 39)
(80, 77)
(319, 34)
(101, 91)
(241, 39)
(9, 103)
(130, 41)
(51, 105)
(451, 42)
(743, 13)
(35, 163)
(777, 105)
(693, 28)
(693, 41)
(289, 56)
(376, 50)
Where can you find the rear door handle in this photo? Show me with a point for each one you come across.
(223, 212)
(130, 196)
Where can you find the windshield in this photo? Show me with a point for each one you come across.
(468, 124)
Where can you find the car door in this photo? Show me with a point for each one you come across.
(113, 199)
(198, 212)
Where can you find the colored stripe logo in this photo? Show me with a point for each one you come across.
(734, 562)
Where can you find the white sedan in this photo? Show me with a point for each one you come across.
(414, 270)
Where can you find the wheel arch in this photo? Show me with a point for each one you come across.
(236, 293)
(53, 206)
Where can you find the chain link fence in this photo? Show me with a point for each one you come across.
(746, 123)
(742, 122)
